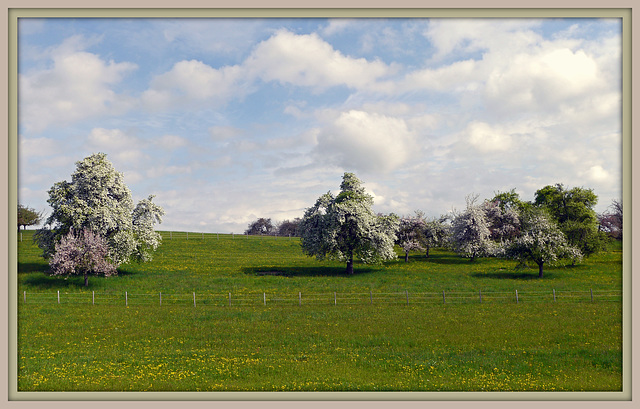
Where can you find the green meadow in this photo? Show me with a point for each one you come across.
(293, 323)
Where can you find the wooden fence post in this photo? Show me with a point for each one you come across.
(407, 293)
(554, 295)
(25, 296)
(126, 298)
(335, 298)
(160, 297)
(444, 301)
(371, 297)
(229, 299)
(264, 296)
(93, 298)
(300, 298)
(194, 299)
(591, 294)
(480, 292)
(516, 296)
(58, 296)
(170, 235)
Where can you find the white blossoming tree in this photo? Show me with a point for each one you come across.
(541, 241)
(98, 200)
(410, 234)
(471, 234)
(344, 227)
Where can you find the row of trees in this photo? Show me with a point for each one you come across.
(94, 226)
(560, 224)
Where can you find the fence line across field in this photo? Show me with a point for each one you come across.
(328, 298)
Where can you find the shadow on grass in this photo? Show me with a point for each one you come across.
(46, 281)
(306, 271)
(514, 275)
(32, 267)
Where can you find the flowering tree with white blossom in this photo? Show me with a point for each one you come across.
(344, 227)
(542, 242)
(98, 200)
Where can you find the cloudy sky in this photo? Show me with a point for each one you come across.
(228, 120)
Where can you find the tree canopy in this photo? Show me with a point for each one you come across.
(344, 227)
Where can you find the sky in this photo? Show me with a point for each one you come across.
(229, 120)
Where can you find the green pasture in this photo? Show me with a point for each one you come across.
(535, 344)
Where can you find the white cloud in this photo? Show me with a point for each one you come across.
(77, 86)
(487, 138)
(192, 81)
(366, 142)
(307, 60)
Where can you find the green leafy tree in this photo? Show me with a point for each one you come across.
(97, 199)
(540, 241)
(573, 211)
(344, 227)
(28, 216)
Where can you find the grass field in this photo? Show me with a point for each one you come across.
(533, 345)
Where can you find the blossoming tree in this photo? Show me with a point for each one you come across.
(343, 227)
(541, 241)
(97, 200)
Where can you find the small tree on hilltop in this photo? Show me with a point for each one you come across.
(260, 226)
(344, 227)
(27, 216)
(82, 253)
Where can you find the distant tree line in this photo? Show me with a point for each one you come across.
(265, 227)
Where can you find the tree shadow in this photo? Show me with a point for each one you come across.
(32, 267)
(320, 271)
(513, 275)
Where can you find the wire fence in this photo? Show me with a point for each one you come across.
(335, 298)
(179, 235)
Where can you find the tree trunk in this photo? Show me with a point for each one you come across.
(427, 251)
(406, 256)
(86, 280)
(540, 269)
(350, 267)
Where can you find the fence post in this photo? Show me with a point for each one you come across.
(516, 296)
(554, 295)
(591, 294)
(126, 298)
(264, 296)
(480, 292)
(170, 235)
(300, 298)
(58, 296)
(187, 235)
(335, 298)
(229, 299)
(160, 297)
(93, 298)
(444, 301)
(202, 235)
(194, 299)
(407, 293)
(25, 296)
(371, 297)
(217, 236)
